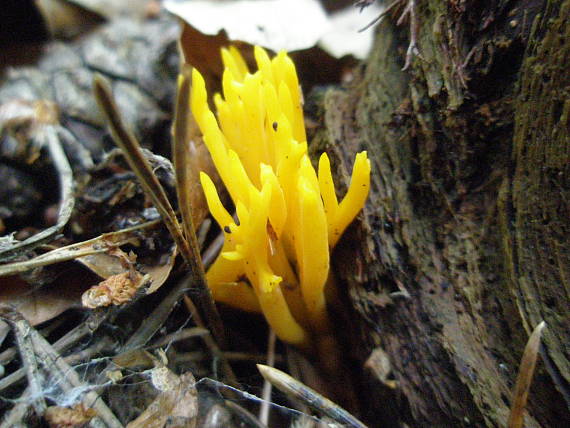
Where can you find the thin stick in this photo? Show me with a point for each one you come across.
(67, 377)
(138, 163)
(182, 357)
(302, 392)
(213, 250)
(231, 378)
(70, 380)
(413, 46)
(26, 349)
(84, 329)
(76, 250)
(266, 392)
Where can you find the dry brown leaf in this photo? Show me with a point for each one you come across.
(40, 304)
(203, 52)
(199, 160)
(133, 358)
(112, 263)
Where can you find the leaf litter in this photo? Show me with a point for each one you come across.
(114, 232)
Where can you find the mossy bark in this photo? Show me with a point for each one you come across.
(463, 248)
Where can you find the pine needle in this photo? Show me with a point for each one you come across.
(524, 378)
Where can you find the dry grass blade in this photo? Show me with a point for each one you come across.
(136, 160)
(308, 396)
(180, 153)
(524, 378)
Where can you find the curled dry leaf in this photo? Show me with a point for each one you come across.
(114, 262)
(115, 290)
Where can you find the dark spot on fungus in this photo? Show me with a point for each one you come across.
(271, 232)
(227, 229)
(275, 126)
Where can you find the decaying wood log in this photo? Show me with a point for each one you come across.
(464, 246)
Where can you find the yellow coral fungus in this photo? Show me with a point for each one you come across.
(275, 258)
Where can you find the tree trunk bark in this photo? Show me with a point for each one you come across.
(463, 248)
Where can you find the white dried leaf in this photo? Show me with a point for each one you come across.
(282, 24)
(345, 37)
(275, 24)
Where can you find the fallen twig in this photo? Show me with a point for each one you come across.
(56, 367)
(97, 245)
(302, 392)
(84, 329)
(23, 336)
